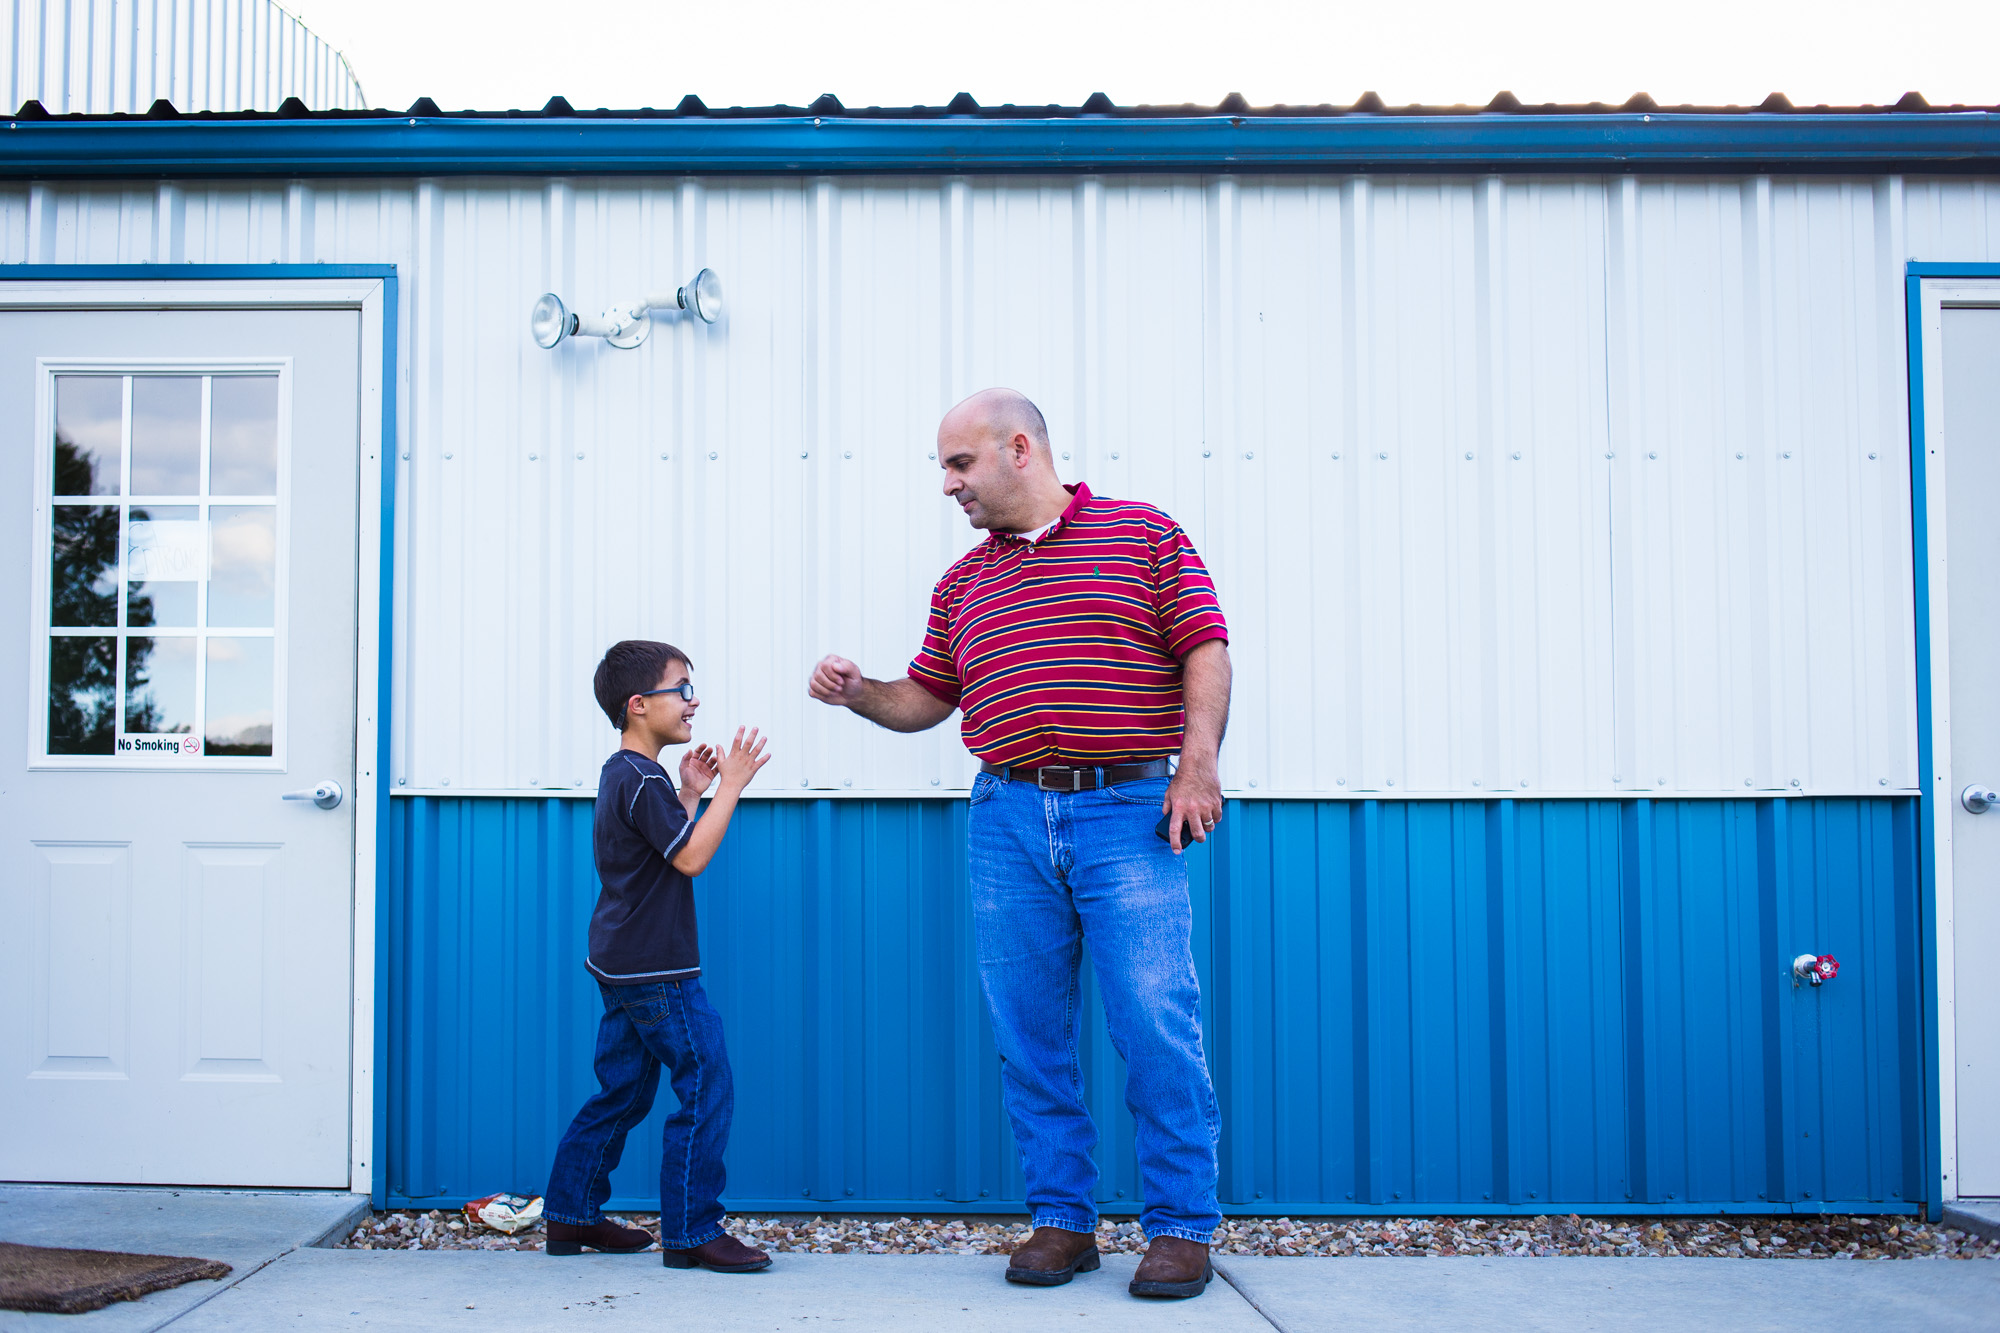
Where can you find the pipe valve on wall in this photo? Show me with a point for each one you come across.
(1815, 969)
(1978, 799)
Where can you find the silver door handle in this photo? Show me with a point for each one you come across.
(326, 796)
(1977, 800)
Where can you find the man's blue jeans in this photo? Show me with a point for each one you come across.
(1052, 874)
(667, 1023)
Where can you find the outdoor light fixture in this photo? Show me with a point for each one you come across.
(626, 326)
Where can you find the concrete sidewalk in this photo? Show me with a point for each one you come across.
(282, 1282)
(245, 1229)
(1622, 1295)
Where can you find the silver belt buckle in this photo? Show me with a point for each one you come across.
(1075, 780)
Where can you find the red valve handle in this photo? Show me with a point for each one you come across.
(1828, 967)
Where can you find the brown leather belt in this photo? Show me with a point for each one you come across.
(1059, 777)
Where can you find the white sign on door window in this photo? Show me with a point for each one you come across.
(161, 614)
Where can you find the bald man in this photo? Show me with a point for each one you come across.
(1083, 642)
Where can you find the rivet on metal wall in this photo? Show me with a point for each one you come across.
(1475, 782)
(406, 453)
(934, 782)
(849, 453)
(1652, 453)
(1871, 458)
(1336, 456)
(533, 457)
(444, 782)
(1795, 782)
(1609, 455)
(804, 454)
(1788, 453)
(847, 782)
(1392, 782)
(1881, 782)
(933, 457)
(1739, 458)
(1468, 456)
(1250, 454)
(1114, 455)
(711, 455)
(579, 456)
(1523, 782)
(1340, 782)
(1383, 456)
(1065, 453)
(1204, 454)
(663, 458)
(1253, 782)
(447, 453)
(1517, 455)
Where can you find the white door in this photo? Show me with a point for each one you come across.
(178, 498)
(1971, 410)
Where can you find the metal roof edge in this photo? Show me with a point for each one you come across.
(564, 146)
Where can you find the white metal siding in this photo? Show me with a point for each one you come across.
(1601, 598)
(102, 56)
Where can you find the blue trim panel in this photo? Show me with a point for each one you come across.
(386, 273)
(1410, 1007)
(568, 146)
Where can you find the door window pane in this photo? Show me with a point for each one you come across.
(83, 566)
(243, 449)
(159, 684)
(239, 696)
(90, 422)
(166, 435)
(82, 693)
(157, 542)
(243, 565)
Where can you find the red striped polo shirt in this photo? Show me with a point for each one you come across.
(1067, 649)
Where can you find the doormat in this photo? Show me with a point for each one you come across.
(49, 1281)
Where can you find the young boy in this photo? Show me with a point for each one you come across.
(643, 954)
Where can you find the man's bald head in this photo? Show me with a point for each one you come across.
(999, 414)
(998, 465)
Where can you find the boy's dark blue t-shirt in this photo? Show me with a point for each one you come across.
(643, 926)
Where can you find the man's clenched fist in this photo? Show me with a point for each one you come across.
(836, 681)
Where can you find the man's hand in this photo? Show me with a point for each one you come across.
(899, 705)
(837, 681)
(744, 759)
(699, 767)
(1193, 797)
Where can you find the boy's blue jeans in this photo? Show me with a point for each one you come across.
(667, 1023)
(1053, 874)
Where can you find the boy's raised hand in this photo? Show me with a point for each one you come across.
(745, 757)
(699, 767)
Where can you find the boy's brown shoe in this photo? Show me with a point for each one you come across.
(724, 1254)
(1173, 1268)
(1052, 1256)
(603, 1235)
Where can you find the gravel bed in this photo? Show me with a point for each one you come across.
(1826, 1237)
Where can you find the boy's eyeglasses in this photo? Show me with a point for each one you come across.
(685, 690)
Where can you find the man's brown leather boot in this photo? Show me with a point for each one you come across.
(724, 1254)
(1173, 1268)
(604, 1235)
(1052, 1256)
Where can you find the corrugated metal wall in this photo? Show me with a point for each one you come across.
(102, 56)
(1422, 1006)
(1553, 486)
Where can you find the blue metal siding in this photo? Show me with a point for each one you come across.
(1420, 1006)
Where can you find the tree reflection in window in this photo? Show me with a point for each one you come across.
(83, 683)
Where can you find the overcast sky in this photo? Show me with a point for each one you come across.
(497, 54)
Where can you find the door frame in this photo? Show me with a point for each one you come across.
(371, 290)
(1929, 288)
